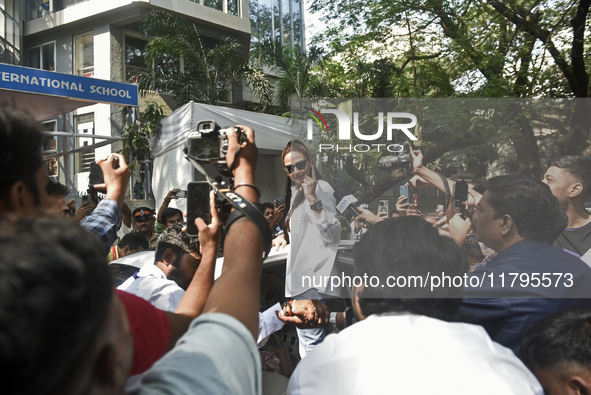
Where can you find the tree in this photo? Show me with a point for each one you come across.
(294, 66)
(184, 66)
(485, 49)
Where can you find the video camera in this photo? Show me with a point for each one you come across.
(209, 144)
(400, 160)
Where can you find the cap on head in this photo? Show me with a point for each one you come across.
(143, 213)
(175, 236)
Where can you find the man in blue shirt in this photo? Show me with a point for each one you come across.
(529, 279)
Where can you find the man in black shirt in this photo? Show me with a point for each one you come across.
(569, 178)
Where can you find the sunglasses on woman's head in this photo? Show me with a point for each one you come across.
(301, 165)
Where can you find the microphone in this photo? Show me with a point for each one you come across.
(347, 205)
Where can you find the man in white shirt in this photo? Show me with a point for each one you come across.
(406, 341)
(163, 284)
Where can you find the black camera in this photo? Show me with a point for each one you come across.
(209, 143)
(400, 160)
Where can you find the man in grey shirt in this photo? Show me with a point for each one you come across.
(569, 179)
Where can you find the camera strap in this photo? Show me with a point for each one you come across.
(243, 207)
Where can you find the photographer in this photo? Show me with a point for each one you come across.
(78, 339)
(105, 220)
(165, 213)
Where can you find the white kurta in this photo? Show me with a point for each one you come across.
(314, 244)
(411, 354)
(151, 284)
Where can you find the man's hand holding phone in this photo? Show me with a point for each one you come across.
(116, 175)
(209, 234)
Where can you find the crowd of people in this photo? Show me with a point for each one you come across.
(172, 328)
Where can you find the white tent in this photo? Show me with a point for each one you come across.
(172, 170)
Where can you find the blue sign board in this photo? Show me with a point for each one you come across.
(24, 79)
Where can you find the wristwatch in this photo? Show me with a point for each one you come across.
(317, 206)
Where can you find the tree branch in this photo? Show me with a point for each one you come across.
(543, 35)
(354, 172)
(453, 31)
(578, 50)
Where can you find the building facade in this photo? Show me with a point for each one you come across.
(101, 39)
(10, 31)
(278, 19)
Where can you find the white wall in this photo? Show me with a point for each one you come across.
(267, 178)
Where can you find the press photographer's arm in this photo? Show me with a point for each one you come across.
(430, 177)
(236, 292)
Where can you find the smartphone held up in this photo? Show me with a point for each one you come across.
(197, 205)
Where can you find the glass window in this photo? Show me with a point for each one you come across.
(134, 57)
(276, 19)
(297, 24)
(84, 54)
(58, 5)
(215, 4)
(49, 142)
(286, 16)
(48, 56)
(9, 31)
(260, 20)
(233, 7)
(84, 125)
(1, 24)
(35, 57)
(49, 147)
(32, 9)
(43, 57)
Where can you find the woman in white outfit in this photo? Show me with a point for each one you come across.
(313, 232)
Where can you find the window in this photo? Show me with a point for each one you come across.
(226, 6)
(134, 57)
(40, 8)
(232, 7)
(37, 9)
(43, 57)
(49, 142)
(84, 54)
(215, 4)
(10, 38)
(49, 147)
(84, 125)
(261, 20)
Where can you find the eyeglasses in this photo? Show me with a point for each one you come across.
(301, 165)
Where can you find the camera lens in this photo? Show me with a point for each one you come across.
(389, 162)
(395, 162)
